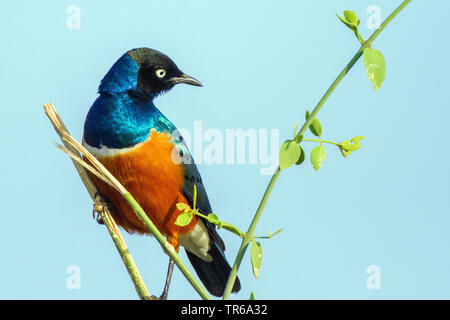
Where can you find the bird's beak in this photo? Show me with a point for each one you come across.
(184, 78)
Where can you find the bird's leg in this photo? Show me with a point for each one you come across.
(168, 278)
(100, 205)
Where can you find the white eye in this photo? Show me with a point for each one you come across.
(160, 73)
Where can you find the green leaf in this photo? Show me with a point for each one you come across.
(348, 146)
(351, 25)
(256, 256)
(183, 206)
(344, 152)
(315, 127)
(302, 156)
(318, 156)
(351, 17)
(184, 219)
(213, 218)
(375, 67)
(230, 227)
(289, 154)
(352, 145)
(252, 296)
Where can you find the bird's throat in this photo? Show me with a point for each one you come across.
(122, 121)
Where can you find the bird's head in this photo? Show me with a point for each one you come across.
(144, 72)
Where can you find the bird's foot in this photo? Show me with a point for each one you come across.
(151, 298)
(100, 204)
(161, 297)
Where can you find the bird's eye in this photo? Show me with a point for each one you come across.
(160, 73)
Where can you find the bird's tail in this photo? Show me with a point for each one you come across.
(214, 274)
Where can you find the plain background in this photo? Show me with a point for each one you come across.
(262, 63)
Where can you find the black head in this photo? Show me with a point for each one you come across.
(157, 72)
(144, 71)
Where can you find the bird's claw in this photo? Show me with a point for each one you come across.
(100, 204)
(161, 297)
(97, 216)
(151, 298)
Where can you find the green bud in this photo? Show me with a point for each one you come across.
(351, 17)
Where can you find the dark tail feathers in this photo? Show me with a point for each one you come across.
(214, 274)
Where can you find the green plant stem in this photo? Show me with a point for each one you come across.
(249, 235)
(125, 254)
(165, 244)
(359, 37)
(320, 141)
(352, 62)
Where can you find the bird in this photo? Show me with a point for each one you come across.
(133, 139)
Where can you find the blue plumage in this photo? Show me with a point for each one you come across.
(120, 121)
(121, 77)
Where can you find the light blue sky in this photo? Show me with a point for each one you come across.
(262, 63)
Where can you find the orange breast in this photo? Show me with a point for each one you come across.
(154, 180)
